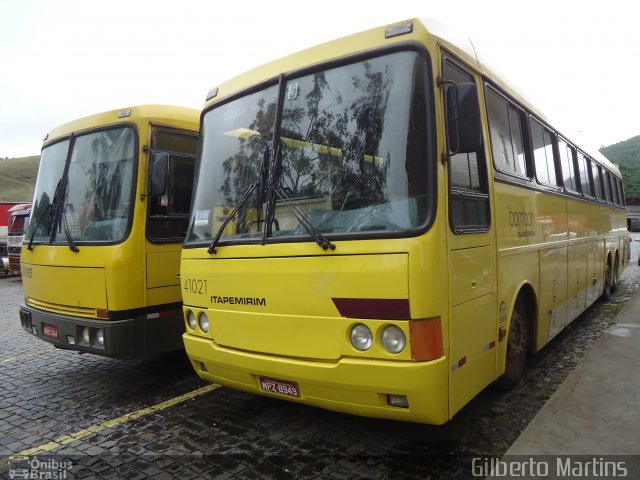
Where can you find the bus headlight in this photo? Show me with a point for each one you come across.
(203, 320)
(393, 339)
(361, 337)
(99, 338)
(191, 320)
(85, 337)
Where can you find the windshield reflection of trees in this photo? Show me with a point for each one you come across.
(42, 216)
(330, 140)
(242, 169)
(94, 195)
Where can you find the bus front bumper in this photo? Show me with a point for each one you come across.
(135, 337)
(349, 385)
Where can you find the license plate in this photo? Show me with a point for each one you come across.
(280, 387)
(50, 331)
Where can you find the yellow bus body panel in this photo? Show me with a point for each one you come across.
(81, 288)
(121, 280)
(302, 285)
(163, 269)
(471, 274)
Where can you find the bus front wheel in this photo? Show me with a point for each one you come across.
(516, 348)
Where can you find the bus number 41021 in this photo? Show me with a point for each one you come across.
(198, 287)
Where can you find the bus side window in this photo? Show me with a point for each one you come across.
(607, 187)
(468, 184)
(614, 190)
(596, 174)
(543, 155)
(505, 127)
(621, 192)
(585, 180)
(566, 162)
(168, 214)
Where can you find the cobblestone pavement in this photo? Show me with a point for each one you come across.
(154, 418)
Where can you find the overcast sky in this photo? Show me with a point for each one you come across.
(577, 61)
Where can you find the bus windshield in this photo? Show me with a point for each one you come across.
(95, 194)
(347, 146)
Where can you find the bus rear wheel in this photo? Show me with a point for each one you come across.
(516, 348)
(608, 282)
(615, 278)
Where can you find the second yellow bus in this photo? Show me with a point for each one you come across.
(100, 259)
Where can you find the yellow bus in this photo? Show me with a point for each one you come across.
(101, 257)
(381, 226)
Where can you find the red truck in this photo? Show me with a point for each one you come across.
(13, 221)
(4, 225)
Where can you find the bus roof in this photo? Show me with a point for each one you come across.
(425, 30)
(161, 114)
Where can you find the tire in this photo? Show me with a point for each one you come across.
(517, 344)
(615, 279)
(606, 288)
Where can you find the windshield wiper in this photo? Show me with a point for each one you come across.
(48, 209)
(216, 239)
(317, 236)
(214, 243)
(61, 208)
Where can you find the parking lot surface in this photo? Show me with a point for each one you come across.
(85, 416)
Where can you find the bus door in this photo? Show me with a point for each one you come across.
(168, 215)
(472, 267)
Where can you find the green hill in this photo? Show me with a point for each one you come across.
(18, 178)
(627, 155)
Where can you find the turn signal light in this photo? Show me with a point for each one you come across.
(426, 339)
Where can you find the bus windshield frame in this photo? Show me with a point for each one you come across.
(88, 190)
(349, 143)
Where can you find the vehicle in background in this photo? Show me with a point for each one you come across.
(18, 219)
(100, 259)
(4, 225)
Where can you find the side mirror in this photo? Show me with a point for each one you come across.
(464, 130)
(159, 173)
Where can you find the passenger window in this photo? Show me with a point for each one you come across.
(468, 184)
(607, 187)
(506, 135)
(597, 181)
(615, 186)
(585, 180)
(543, 155)
(566, 161)
(621, 192)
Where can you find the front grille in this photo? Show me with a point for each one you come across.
(63, 309)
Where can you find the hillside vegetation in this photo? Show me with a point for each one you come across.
(18, 178)
(627, 155)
